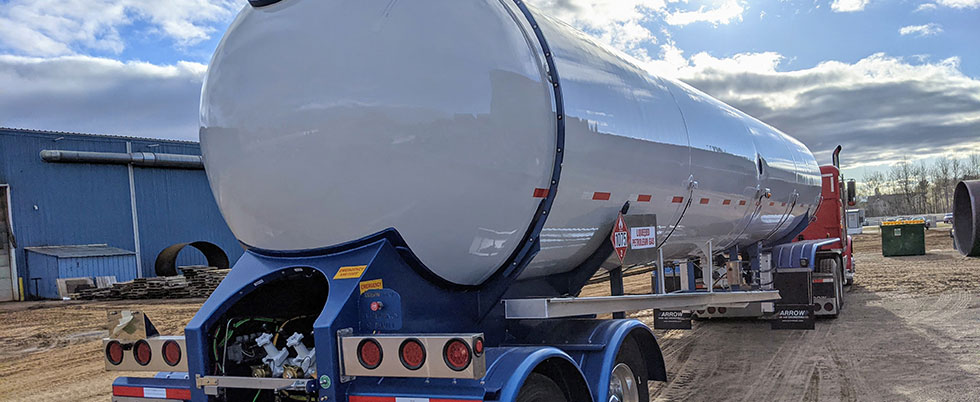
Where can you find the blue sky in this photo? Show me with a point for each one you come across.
(889, 79)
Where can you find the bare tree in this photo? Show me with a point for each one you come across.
(903, 174)
(942, 174)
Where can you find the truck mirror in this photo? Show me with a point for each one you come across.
(851, 192)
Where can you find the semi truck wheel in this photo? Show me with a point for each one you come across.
(540, 388)
(628, 381)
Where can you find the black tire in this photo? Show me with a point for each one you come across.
(631, 355)
(540, 388)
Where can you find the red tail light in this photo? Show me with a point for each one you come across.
(142, 352)
(828, 306)
(171, 353)
(711, 310)
(478, 347)
(722, 310)
(412, 354)
(457, 354)
(114, 352)
(369, 354)
(816, 306)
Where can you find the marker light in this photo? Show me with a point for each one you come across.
(369, 354)
(478, 347)
(114, 352)
(142, 352)
(457, 354)
(412, 354)
(171, 353)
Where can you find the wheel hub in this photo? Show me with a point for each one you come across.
(622, 385)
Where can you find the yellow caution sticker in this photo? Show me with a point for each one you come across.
(371, 285)
(353, 272)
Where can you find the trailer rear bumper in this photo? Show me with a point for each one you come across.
(164, 387)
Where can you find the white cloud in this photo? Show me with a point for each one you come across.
(727, 12)
(848, 6)
(58, 27)
(925, 7)
(98, 95)
(959, 3)
(921, 30)
(880, 108)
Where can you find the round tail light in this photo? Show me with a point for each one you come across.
(171, 353)
(412, 354)
(114, 352)
(478, 347)
(722, 310)
(457, 354)
(369, 354)
(816, 306)
(711, 310)
(700, 311)
(828, 306)
(142, 352)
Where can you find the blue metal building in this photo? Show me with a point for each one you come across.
(49, 263)
(135, 194)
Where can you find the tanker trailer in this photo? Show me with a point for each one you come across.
(966, 218)
(424, 187)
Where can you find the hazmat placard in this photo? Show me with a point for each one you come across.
(620, 237)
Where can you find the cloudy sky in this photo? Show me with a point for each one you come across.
(885, 78)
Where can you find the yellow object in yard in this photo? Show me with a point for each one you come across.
(20, 288)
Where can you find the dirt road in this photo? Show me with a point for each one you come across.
(910, 331)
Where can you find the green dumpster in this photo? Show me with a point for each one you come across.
(901, 238)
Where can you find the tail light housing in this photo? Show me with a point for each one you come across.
(828, 306)
(142, 352)
(412, 354)
(457, 354)
(369, 353)
(114, 352)
(171, 353)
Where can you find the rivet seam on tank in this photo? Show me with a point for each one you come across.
(548, 197)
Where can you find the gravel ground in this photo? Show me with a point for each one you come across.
(910, 331)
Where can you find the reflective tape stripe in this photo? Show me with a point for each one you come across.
(742, 202)
(705, 201)
(153, 393)
(600, 196)
(127, 391)
(726, 202)
(644, 198)
(677, 200)
(541, 193)
(359, 398)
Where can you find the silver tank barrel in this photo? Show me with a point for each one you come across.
(966, 217)
(326, 121)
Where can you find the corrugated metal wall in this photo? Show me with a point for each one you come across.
(68, 204)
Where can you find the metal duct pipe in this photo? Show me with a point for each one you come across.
(966, 217)
(148, 159)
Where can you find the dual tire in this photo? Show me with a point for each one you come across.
(627, 381)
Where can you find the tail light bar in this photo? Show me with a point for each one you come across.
(158, 353)
(419, 356)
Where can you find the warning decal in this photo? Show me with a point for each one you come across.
(371, 285)
(353, 272)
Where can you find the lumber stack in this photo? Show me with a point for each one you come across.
(197, 281)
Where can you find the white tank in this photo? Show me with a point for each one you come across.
(324, 121)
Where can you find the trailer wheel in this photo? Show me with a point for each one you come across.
(540, 388)
(628, 380)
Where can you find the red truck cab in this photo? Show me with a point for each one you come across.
(829, 219)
